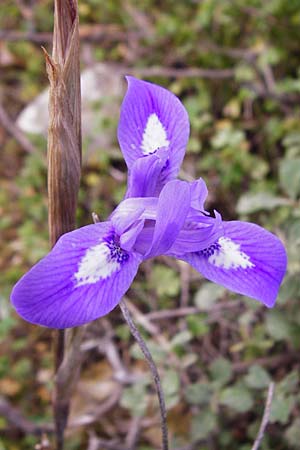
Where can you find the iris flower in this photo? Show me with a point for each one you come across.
(89, 270)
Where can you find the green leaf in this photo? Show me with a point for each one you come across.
(293, 434)
(197, 325)
(207, 295)
(257, 378)
(134, 398)
(277, 326)
(181, 338)
(202, 425)
(289, 175)
(198, 393)
(253, 202)
(281, 408)
(171, 386)
(157, 352)
(227, 137)
(170, 382)
(221, 371)
(237, 398)
(165, 281)
(289, 384)
(290, 288)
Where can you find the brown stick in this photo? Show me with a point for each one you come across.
(64, 168)
(11, 128)
(64, 134)
(265, 418)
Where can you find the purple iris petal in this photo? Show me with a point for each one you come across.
(82, 278)
(146, 177)
(132, 209)
(128, 239)
(199, 194)
(172, 210)
(152, 118)
(248, 260)
(197, 235)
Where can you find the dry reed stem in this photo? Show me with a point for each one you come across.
(64, 170)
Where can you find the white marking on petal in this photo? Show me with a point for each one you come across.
(229, 256)
(96, 265)
(154, 136)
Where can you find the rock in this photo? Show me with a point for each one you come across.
(102, 89)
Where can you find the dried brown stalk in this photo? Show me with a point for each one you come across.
(64, 134)
(64, 169)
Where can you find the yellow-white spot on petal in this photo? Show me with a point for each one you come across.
(97, 264)
(229, 256)
(154, 136)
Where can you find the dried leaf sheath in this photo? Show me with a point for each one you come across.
(64, 134)
(64, 169)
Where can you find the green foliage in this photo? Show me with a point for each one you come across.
(207, 295)
(237, 397)
(257, 378)
(134, 398)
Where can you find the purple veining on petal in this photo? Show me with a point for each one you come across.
(247, 259)
(116, 252)
(209, 251)
(51, 294)
(152, 119)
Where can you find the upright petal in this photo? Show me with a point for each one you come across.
(248, 260)
(146, 177)
(172, 209)
(199, 194)
(82, 278)
(152, 118)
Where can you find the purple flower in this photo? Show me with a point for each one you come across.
(90, 269)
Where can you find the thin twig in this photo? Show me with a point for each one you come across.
(133, 433)
(142, 344)
(11, 128)
(189, 310)
(270, 362)
(18, 421)
(192, 72)
(90, 33)
(265, 418)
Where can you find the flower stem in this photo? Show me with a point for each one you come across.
(143, 346)
(265, 418)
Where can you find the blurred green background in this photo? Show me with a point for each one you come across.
(235, 64)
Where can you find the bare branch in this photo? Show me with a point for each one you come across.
(265, 418)
(11, 128)
(17, 420)
(142, 344)
(193, 72)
